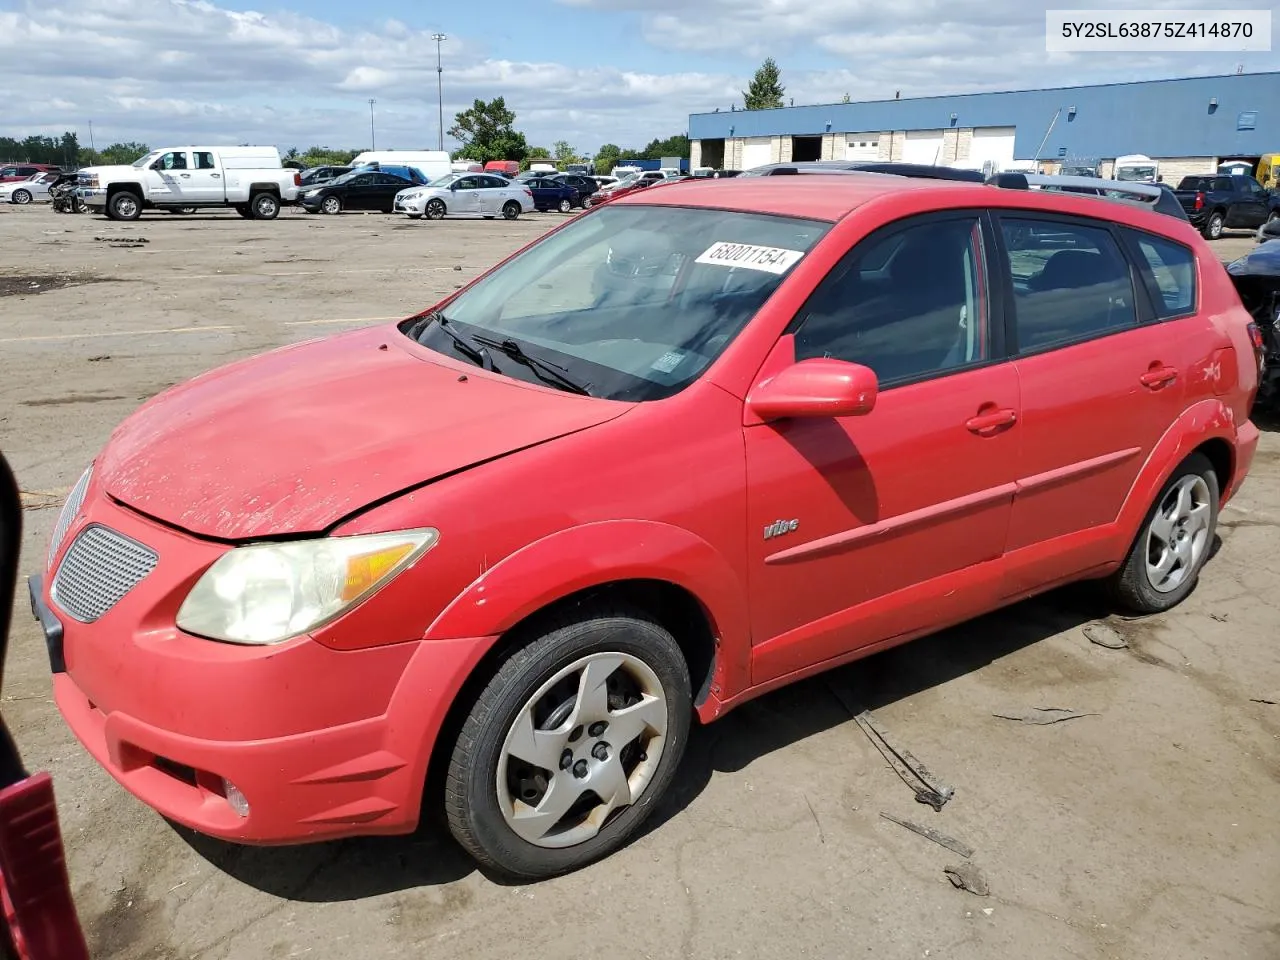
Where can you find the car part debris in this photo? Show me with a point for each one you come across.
(1043, 715)
(1105, 636)
(928, 788)
(967, 876)
(135, 240)
(951, 843)
(1268, 700)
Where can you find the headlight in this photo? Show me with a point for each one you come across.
(70, 510)
(270, 592)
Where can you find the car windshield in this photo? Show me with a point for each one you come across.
(1136, 173)
(446, 180)
(634, 302)
(145, 161)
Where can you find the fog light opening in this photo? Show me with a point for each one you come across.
(239, 803)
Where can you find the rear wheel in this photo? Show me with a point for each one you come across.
(1213, 226)
(1175, 541)
(435, 209)
(569, 747)
(21, 196)
(510, 210)
(265, 206)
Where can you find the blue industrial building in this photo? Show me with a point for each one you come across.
(1189, 124)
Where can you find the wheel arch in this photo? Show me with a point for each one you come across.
(265, 187)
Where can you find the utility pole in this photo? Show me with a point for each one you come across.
(373, 136)
(92, 150)
(440, 38)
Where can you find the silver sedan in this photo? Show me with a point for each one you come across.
(465, 194)
(25, 191)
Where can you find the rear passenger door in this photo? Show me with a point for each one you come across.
(1101, 381)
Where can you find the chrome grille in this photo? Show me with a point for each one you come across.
(70, 510)
(100, 567)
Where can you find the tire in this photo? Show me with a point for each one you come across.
(331, 205)
(510, 210)
(1135, 584)
(1213, 226)
(244, 211)
(124, 206)
(21, 196)
(566, 206)
(434, 209)
(264, 206)
(643, 666)
(182, 211)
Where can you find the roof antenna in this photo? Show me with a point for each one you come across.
(1239, 69)
(897, 94)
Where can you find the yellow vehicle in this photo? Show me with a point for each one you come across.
(1269, 170)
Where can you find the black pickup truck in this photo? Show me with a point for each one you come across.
(1215, 202)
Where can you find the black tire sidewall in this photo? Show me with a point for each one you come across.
(1133, 586)
(114, 211)
(510, 210)
(475, 759)
(21, 193)
(258, 215)
(1209, 231)
(566, 206)
(435, 209)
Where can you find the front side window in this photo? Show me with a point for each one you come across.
(173, 161)
(8, 171)
(907, 303)
(1070, 282)
(1173, 267)
(634, 302)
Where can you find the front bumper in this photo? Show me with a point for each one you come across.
(417, 205)
(93, 196)
(323, 743)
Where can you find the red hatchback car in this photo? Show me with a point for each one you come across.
(680, 451)
(12, 172)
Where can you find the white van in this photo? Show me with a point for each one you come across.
(1136, 168)
(434, 164)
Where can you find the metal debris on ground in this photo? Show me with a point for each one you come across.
(1105, 636)
(1273, 701)
(928, 788)
(1043, 715)
(1220, 617)
(122, 239)
(967, 876)
(951, 843)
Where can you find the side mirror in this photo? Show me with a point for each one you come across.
(821, 387)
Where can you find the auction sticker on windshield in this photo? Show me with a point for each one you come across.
(750, 256)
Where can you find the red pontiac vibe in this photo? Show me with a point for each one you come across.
(684, 449)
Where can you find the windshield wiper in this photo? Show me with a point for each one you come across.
(544, 370)
(465, 344)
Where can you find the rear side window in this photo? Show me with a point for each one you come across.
(1222, 183)
(1070, 282)
(1173, 268)
(204, 161)
(908, 304)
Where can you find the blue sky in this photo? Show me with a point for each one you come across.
(300, 72)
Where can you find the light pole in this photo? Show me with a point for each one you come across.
(440, 38)
(93, 152)
(373, 136)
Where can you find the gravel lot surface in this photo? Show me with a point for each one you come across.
(1144, 831)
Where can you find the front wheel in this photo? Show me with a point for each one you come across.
(510, 210)
(265, 206)
(435, 209)
(569, 747)
(124, 206)
(566, 205)
(1175, 541)
(1213, 226)
(21, 196)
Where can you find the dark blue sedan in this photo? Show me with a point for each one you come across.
(552, 194)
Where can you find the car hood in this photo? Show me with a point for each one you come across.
(112, 172)
(295, 440)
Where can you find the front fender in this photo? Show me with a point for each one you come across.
(1203, 421)
(593, 554)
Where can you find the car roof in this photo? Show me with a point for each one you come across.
(835, 195)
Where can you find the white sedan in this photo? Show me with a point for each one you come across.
(466, 194)
(25, 191)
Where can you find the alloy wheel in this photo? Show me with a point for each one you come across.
(1178, 535)
(585, 746)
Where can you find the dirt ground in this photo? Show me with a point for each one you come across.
(1145, 830)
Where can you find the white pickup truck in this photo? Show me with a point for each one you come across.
(181, 179)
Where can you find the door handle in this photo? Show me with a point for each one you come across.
(216, 176)
(1158, 376)
(185, 176)
(986, 423)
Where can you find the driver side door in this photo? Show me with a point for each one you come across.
(866, 528)
(168, 178)
(466, 196)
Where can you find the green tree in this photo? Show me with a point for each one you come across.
(607, 158)
(122, 153)
(563, 153)
(765, 90)
(677, 146)
(63, 151)
(487, 132)
(325, 156)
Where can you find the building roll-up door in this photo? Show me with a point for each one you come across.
(756, 152)
(923, 146)
(993, 144)
(862, 146)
